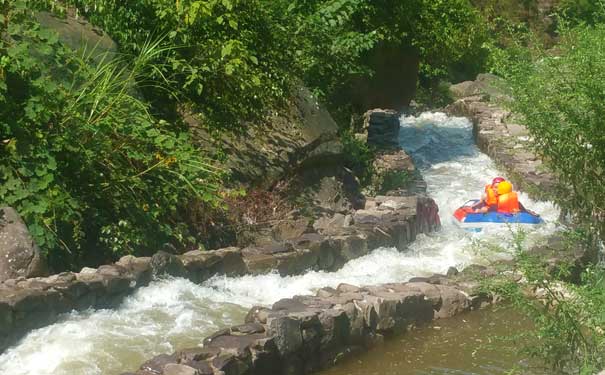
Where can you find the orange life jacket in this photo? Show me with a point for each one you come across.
(508, 203)
(492, 196)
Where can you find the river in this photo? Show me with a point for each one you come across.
(175, 313)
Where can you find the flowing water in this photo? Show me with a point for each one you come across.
(176, 313)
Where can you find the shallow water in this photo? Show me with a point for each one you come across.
(477, 343)
(171, 314)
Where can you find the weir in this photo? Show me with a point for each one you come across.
(172, 314)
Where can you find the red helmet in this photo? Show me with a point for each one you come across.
(497, 180)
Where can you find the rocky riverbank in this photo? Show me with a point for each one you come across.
(296, 245)
(500, 137)
(304, 334)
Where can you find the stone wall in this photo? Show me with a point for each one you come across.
(27, 304)
(304, 334)
(505, 141)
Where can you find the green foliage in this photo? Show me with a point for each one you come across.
(236, 59)
(582, 11)
(569, 319)
(85, 155)
(359, 157)
(91, 171)
(439, 96)
(560, 98)
(230, 58)
(393, 180)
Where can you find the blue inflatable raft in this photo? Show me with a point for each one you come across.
(468, 219)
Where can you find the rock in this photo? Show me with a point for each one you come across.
(331, 224)
(330, 195)
(484, 85)
(19, 254)
(79, 34)
(290, 229)
(175, 369)
(453, 302)
(452, 271)
(383, 128)
(163, 263)
(504, 142)
(517, 130)
(229, 364)
(331, 150)
(287, 333)
(395, 161)
(347, 288)
(157, 364)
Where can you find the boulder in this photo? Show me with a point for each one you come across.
(163, 263)
(19, 254)
(484, 85)
(383, 128)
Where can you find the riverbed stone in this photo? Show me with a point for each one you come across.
(453, 302)
(165, 264)
(156, 364)
(176, 369)
(287, 333)
(19, 254)
(230, 364)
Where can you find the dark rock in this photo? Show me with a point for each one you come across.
(156, 364)
(232, 263)
(165, 264)
(196, 354)
(290, 229)
(258, 314)
(201, 367)
(287, 334)
(453, 302)
(383, 128)
(230, 364)
(239, 344)
(247, 329)
(138, 267)
(19, 254)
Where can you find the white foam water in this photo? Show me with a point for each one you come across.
(176, 313)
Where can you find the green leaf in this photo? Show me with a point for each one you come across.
(227, 4)
(227, 49)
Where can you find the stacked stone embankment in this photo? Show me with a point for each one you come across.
(29, 303)
(500, 137)
(304, 334)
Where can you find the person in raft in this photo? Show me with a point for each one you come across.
(499, 196)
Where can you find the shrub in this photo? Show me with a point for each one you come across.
(359, 157)
(94, 175)
(560, 98)
(568, 318)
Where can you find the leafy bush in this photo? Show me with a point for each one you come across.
(236, 59)
(568, 318)
(560, 98)
(582, 11)
(91, 171)
(359, 157)
(230, 58)
(393, 180)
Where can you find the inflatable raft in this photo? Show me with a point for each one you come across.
(466, 218)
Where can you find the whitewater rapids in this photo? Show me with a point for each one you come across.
(175, 313)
